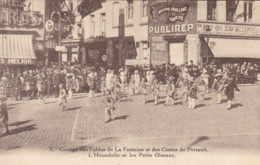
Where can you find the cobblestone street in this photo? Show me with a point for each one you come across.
(42, 126)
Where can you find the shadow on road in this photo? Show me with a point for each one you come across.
(121, 117)
(72, 109)
(19, 123)
(200, 139)
(178, 103)
(200, 105)
(14, 104)
(208, 98)
(51, 102)
(236, 105)
(20, 130)
(9, 108)
(125, 100)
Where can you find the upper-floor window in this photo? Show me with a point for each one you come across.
(248, 11)
(92, 25)
(144, 8)
(211, 12)
(70, 5)
(231, 7)
(103, 24)
(115, 14)
(130, 9)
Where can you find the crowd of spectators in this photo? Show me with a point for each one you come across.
(78, 78)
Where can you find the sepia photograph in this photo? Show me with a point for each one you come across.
(130, 82)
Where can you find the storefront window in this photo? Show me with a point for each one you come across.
(211, 6)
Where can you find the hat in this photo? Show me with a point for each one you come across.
(204, 70)
(171, 78)
(219, 73)
(192, 79)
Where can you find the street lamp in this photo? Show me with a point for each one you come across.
(208, 29)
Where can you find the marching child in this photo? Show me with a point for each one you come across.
(62, 97)
(192, 93)
(156, 90)
(109, 106)
(216, 86)
(132, 85)
(143, 86)
(103, 87)
(170, 91)
(4, 115)
(229, 85)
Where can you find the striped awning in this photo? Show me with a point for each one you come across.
(15, 46)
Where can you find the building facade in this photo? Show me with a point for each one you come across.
(117, 33)
(21, 33)
(203, 31)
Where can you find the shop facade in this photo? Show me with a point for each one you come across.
(21, 35)
(181, 31)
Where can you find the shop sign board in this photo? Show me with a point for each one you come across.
(169, 18)
(17, 61)
(229, 29)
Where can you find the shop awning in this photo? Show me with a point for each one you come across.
(234, 48)
(16, 49)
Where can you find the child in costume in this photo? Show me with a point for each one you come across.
(4, 115)
(62, 97)
(170, 91)
(192, 93)
(132, 85)
(155, 90)
(103, 87)
(229, 85)
(216, 85)
(109, 107)
(143, 86)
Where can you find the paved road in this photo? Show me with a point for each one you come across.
(82, 125)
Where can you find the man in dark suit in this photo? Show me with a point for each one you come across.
(18, 86)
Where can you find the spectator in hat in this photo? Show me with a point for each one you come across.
(11, 85)
(49, 82)
(56, 81)
(18, 86)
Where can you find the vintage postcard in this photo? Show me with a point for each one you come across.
(130, 82)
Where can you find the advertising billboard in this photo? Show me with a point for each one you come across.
(169, 18)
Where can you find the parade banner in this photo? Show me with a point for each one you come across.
(172, 18)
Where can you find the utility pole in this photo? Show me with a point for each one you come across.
(59, 37)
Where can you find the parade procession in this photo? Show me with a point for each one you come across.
(90, 73)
